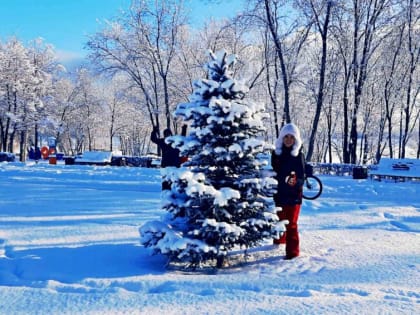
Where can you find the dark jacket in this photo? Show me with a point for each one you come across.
(283, 165)
(170, 155)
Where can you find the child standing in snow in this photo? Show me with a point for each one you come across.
(288, 161)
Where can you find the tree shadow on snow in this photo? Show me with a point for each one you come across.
(69, 265)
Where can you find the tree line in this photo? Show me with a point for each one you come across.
(346, 72)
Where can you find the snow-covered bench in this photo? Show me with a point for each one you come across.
(94, 158)
(396, 169)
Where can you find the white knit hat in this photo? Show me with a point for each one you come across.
(289, 129)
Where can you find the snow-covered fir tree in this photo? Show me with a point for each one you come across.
(221, 199)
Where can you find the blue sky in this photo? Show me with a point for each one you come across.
(66, 23)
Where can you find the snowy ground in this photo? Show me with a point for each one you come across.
(69, 244)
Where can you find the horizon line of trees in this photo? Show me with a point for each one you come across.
(346, 72)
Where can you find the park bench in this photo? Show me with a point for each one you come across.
(93, 158)
(396, 169)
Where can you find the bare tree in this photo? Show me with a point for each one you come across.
(288, 43)
(366, 24)
(367, 21)
(392, 83)
(45, 67)
(60, 107)
(273, 79)
(143, 44)
(413, 87)
(25, 82)
(320, 11)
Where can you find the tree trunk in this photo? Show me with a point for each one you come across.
(22, 146)
(378, 153)
(346, 152)
(360, 69)
(418, 140)
(279, 51)
(320, 98)
(272, 91)
(414, 58)
(36, 136)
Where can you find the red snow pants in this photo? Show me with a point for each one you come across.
(291, 236)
